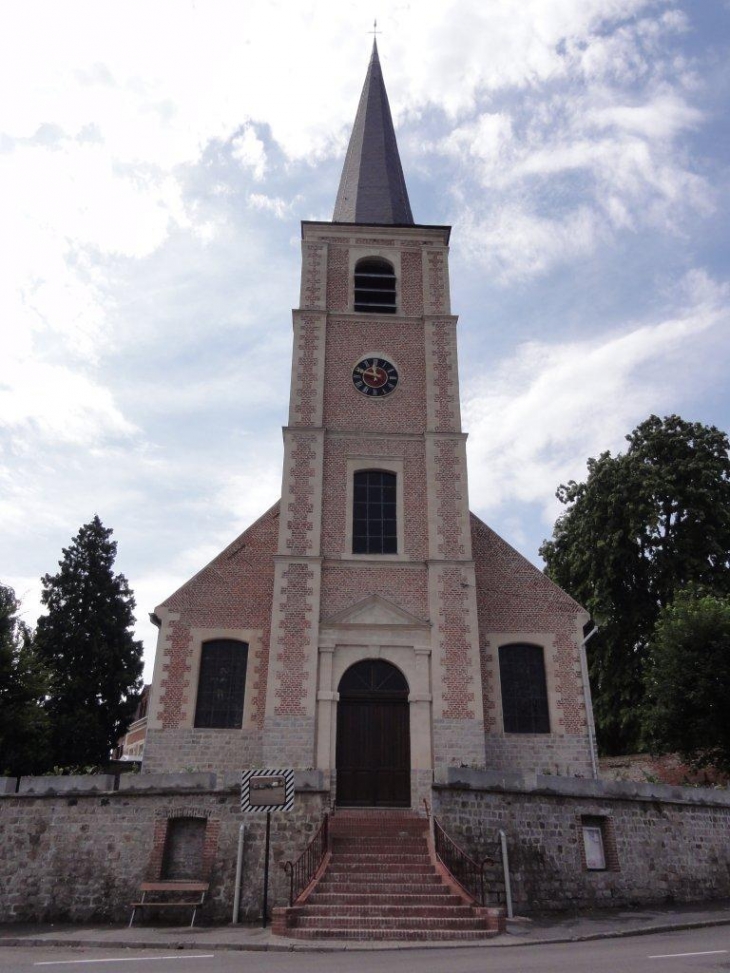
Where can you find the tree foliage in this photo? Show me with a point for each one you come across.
(86, 642)
(23, 684)
(688, 680)
(645, 524)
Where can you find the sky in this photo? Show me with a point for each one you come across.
(157, 157)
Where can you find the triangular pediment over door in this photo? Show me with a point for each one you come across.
(375, 610)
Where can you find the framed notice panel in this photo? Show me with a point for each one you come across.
(267, 790)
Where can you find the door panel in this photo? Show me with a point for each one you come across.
(373, 753)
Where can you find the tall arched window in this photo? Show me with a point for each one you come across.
(221, 684)
(374, 286)
(524, 689)
(374, 528)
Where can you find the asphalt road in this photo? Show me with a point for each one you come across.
(676, 952)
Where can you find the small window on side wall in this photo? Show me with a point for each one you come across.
(375, 286)
(221, 684)
(524, 689)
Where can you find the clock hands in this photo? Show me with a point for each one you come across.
(376, 376)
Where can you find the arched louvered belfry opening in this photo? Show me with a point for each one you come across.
(373, 737)
(375, 286)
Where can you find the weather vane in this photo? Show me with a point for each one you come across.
(375, 30)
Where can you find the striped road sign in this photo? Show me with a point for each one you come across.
(267, 790)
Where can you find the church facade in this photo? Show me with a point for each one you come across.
(368, 626)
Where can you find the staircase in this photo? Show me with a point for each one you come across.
(382, 881)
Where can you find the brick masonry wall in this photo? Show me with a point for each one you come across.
(404, 586)
(335, 508)
(515, 598)
(82, 858)
(412, 282)
(337, 277)
(438, 283)
(348, 340)
(233, 592)
(662, 852)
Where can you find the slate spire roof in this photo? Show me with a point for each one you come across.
(372, 186)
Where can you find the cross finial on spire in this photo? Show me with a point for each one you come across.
(375, 30)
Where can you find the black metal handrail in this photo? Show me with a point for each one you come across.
(467, 872)
(302, 871)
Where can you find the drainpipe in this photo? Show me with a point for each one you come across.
(588, 700)
(505, 871)
(239, 870)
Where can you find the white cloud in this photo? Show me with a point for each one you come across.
(270, 204)
(514, 244)
(57, 404)
(536, 419)
(249, 150)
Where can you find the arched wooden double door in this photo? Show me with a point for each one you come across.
(373, 737)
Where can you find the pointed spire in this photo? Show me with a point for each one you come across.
(372, 186)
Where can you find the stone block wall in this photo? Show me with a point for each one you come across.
(662, 844)
(547, 753)
(181, 748)
(80, 857)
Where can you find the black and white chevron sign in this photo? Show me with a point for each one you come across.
(267, 790)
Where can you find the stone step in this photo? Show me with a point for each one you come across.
(375, 867)
(433, 886)
(374, 842)
(385, 912)
(393, 935)
(390, 922)
(395, 877)
(373, 859)
(381, 884)
(439, 897)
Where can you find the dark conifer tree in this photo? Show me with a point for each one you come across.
(24, 734)
(87, 645)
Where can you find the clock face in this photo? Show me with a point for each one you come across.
(375, 376)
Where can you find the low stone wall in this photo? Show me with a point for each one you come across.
(76, 849)
(72, 852)
(662, 843)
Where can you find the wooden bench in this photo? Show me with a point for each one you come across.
(171, 895)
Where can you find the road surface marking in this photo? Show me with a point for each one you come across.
(124, 959)
(708, 952)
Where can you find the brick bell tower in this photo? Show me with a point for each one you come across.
(374, 669)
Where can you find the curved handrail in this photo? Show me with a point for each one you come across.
(302, 871)
(468, 872)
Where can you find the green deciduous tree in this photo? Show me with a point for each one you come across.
(687, 680)
(24, 735)
(86, 642)
(645, 524)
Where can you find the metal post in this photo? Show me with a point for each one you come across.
(505, 869)
(590, 721)
(266, 870)
(239, 870)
